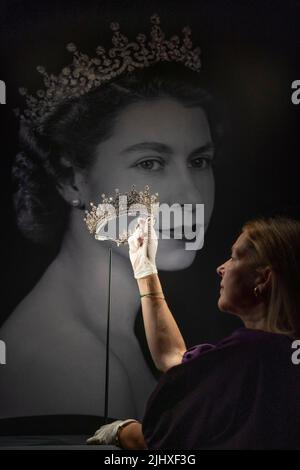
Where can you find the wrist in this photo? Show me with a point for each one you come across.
(143, 274)
(149, 283)
(131, 436)
(124, 424)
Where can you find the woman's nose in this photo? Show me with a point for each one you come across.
(220, 270)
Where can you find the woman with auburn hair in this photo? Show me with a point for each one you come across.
(242, 393)
(275, 242)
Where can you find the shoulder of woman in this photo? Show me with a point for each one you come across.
(243, 347)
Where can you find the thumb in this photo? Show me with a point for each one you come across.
(133, 243)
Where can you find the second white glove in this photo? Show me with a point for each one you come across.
(108, 434)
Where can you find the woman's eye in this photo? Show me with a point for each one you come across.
(201, 163)
(152, 165)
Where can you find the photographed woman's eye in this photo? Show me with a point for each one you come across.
(201, 163)
(150, 164)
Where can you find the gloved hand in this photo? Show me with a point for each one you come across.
(142, 248)
(108, 434)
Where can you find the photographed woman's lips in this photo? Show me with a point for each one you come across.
(181, 228)
(182, 231)
(171, 230)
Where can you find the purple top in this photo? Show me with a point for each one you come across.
(195, 351)
(242, 393)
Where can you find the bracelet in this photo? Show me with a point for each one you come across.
(153, 297)
(151, 293)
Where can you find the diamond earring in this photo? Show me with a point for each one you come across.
(256, 291)
(76, 203)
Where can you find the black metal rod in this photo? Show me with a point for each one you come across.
(107, 342)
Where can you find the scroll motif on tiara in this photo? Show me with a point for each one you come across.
(129, 204)
(85, 74)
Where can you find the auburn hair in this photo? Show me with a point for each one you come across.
(275, 242)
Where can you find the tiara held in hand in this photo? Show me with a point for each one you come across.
(120, 206)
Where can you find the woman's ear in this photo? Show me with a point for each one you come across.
(264, 280)
(72, 185)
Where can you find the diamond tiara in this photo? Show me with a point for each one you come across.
(112, 207)
(85, 73)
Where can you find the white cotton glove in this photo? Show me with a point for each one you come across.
(142, 248)
(108, 434)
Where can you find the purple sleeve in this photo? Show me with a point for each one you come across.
(196, 351)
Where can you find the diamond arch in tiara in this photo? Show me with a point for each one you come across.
(113, 207)
(86, 73)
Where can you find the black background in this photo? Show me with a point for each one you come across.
(250, 51)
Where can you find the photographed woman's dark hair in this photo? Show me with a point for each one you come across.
(74, 130)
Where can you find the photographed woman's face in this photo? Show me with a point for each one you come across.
(163, 144)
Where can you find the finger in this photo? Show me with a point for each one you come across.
(133, 243)
(141, 221)
(93, 440)
(138, 230)
(145, 244)
(142, 225)
(140, 235)
(153, 233)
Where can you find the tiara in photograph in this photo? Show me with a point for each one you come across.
(86, 73)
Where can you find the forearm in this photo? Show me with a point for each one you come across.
(131, 437)
(165, 341)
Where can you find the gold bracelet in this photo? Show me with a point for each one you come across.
(151, 293)
(153, 296)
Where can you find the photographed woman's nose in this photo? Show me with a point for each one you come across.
(183, 190)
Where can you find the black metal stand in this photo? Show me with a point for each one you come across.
(107, 341)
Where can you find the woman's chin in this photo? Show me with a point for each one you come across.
(172, 256)
(224, 306)
(221, 304)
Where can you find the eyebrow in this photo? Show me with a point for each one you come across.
(166, 149)
(238, 251)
